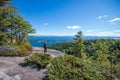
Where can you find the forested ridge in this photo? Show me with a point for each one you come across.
(98, 55)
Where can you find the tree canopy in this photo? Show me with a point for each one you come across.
(13, 31)
(13, 27)
(102, 54)
(4, 2)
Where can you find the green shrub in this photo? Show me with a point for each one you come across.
(23, 49)
(10, 53)
(72, 68)
(40, 59)
(15, 50)
(8, 50)
(19, 52)
(116, 70)
(28, 46)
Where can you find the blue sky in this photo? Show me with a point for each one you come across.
(67, 17)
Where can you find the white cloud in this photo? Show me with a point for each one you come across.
(104, 33)
(114, 20)
(100, 17)
(73, 27)
(64, 34)
(117, 31)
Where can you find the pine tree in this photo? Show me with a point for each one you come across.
(13, 27)
(78, 45)
(4, 2)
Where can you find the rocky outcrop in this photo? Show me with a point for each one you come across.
(16, 65)
(4, 76)
(52, 52)
(3, 49)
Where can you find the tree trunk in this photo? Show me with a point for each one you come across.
(11, 38)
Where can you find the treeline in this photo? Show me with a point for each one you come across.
(90, 48)
(100, 55)
(13, 30)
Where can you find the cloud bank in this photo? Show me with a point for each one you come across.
(100, 17)
(103, 33)
(73, 27)
(114, 20)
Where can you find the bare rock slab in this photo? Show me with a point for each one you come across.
(4, 76)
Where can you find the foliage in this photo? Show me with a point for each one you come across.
(78, 45)
(61, 46)
(4, 2)
(13, 30)
(40, 59)
(20, 50)
(72, 68)
(116, 70)
(13, 27)
(24, 48)
(8, 50)
(93, 48)
(103, 53)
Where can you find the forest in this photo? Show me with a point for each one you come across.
(101, 55)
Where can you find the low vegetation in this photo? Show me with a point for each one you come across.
(20, 50)
(61, 46)
(40, 59)
(72, 68)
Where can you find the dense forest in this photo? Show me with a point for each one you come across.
(13, 30)
(100, 55)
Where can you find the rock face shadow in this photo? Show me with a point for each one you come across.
(32, 66)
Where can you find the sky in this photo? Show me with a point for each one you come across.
(67, 17)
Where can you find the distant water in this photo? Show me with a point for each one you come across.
(37, 41)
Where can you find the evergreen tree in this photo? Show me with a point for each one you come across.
(13, 27)
(78, 45)
(5, 15)
(4, 2)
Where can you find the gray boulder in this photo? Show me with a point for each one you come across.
(7, 48)
(4, 76)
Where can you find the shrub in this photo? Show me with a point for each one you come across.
(24, 48)
(72, 68)
(116, 69)
(22, 51)
(10, 53)
(27, 45)
(8, 50)
(40, 59)
(15, 50)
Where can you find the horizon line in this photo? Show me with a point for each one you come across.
(83, 35)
